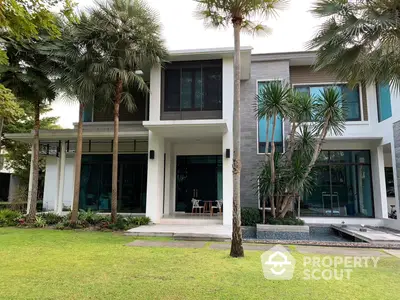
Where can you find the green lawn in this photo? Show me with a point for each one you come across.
(49, 264)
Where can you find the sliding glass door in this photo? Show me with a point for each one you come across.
(199, 177)
(342, 186)
(96, 175)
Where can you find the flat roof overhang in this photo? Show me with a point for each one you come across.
(188, 128)
(215, 53)
(71, 134)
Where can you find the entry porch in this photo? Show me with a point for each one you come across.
(186, 163)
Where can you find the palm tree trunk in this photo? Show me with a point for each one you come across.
(265, 196)
(114, 200)
(272, 199)
(291, 141)
(236, 245)
(78, 160)
(35, 174)
(318, 147)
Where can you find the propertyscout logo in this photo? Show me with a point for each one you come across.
(278, 264)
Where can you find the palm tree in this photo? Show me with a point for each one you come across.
(240, 14)
(74, 56)
(126, 33)
(359, 40)
(25, 76)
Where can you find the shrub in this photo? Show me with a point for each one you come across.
(285, 221)
(88, 216)
(137, 221)
(250, 216)
(52, 218)
(91, 217)
(40, 222)
(9, 217)
(60, 226)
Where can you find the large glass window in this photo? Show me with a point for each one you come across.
(262, 129)
(343, 186)
(384, 101)
(95, 192)
(351, 96)
(193, 86)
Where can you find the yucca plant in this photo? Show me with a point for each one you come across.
(272, 102)
(285, 176)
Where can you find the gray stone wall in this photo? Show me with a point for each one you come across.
(396, 135)
(251, 161)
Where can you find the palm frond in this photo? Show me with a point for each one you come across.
(358, 41)
(249, 13)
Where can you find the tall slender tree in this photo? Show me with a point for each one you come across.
(241, 14)
(272, 104)
(359, 40)
(127, 35)
(26, 78)
(74, 56)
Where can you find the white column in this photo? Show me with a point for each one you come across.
(227, 140)
(167, 181)
(155, 94)
(30, 183)
(172, 172)
(155, 178)
(61, 179)
(378, 182)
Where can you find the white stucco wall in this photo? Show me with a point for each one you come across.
(51, 182)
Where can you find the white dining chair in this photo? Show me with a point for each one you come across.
(217, 206)
(196, 205)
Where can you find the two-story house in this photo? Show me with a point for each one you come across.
(178, 144)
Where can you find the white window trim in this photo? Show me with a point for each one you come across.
(360, 92)
(257, 120)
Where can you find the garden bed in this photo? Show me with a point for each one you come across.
(86, 220)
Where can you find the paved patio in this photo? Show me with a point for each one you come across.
(214, 231)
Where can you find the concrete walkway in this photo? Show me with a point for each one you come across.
(217, 232)
(306, 250)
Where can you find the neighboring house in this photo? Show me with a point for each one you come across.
(9, 183)
(178, 145)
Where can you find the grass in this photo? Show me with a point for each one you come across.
(50, 264)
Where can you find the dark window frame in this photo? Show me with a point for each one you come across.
(358, 87)
(188, 65)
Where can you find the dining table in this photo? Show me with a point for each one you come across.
(208, 205)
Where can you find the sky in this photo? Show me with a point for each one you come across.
(290, 31)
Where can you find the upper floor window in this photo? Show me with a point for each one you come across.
(104, 111)
(351, 96)
(262, 128)
(193, 86)
(384, 101)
